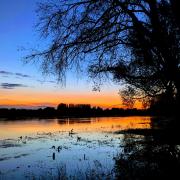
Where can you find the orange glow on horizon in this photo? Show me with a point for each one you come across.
(35, 99)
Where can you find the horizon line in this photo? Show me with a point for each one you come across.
(44, 105)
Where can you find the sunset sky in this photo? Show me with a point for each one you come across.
(23, 84)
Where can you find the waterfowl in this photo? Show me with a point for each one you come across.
(78, 138)
(59, 148)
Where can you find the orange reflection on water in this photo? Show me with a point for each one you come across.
(14, 128)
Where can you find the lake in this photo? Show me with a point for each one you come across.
(70, 148)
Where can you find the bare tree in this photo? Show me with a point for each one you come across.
(137, 41)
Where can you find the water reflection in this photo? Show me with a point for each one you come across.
(59, 148)
(17, 128)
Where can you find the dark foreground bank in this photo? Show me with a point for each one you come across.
(151, 153)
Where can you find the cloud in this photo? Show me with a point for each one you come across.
(6, 73)
(11, 85)
(20, 75)
(44, 81)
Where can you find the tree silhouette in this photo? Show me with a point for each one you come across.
(137, 41)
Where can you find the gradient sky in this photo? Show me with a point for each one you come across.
(23, 84)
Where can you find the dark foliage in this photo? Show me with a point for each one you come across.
(69, 110)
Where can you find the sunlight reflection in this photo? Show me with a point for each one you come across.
(15, 128)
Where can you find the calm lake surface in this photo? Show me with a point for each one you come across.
(43, 149)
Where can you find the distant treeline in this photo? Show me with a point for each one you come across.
(69, 110)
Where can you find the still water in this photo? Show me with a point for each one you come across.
(73, 148)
